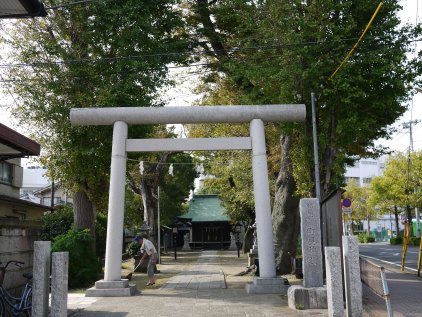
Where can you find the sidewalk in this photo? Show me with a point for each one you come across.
(405, 293)
(209, 287)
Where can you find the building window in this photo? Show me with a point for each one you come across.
(369, 163)
(349, 179)
(6, 172)
(367, 180)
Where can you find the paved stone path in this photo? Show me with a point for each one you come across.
(205, 275)
(198, 291)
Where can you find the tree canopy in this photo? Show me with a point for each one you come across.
(399, 186)
(279, 52)
(102, 53)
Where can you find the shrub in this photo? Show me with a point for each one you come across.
(132, 249)
(57, 223)
(100, 234)
(84, 266)
(398, 240)
(414, 241)
(363, 237)
(61, 221)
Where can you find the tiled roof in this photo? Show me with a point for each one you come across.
(204, 208)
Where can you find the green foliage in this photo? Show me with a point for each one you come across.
(363, 237)
(414, 241)
(84, 266)
(175, 190)
(397, 240)
(61, 221)
(361, 209)
(101, 54)
(132, 249)
(100, 234)
(396, 186)
(57, 223)
(300, 45)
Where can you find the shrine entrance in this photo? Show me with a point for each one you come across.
(120, 118)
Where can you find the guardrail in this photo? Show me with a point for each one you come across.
(373, 276)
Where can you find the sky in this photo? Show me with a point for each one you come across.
(183, 96)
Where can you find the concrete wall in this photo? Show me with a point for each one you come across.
(17, 243)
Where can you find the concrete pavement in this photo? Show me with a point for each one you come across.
(207, 287)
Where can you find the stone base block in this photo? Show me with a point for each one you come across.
(103, 288)
(262, 285)
(300, 297)
(251, 258)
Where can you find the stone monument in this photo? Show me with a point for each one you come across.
(312, 294)
(233, 245)
(353, 284)
(334, 282)
(186, 246)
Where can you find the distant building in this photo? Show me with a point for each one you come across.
(60, 196)
(210, 224)
(36, 187)
(364, 170)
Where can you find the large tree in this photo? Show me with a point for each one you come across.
(279, 52)
(398, 189)
(94, 54)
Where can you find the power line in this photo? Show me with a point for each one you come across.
(65, 5)
(187, 53)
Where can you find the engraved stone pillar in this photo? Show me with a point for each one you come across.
(41, 277)
(186, 246)
(334, 282)
(310, 230)
(233, 246)
(352, 276)
(59, 285)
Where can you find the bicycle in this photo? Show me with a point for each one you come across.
(18, 305)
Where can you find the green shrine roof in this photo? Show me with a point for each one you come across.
(205, 208)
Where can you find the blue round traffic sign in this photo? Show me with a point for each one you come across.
(346, 202)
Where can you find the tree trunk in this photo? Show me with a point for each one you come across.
(396, 218)
(285, 216)
(368, 221)
(149, 202)
(84, 214)
(247, 240)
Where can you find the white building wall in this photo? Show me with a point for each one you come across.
(34, 179)
(365, 169)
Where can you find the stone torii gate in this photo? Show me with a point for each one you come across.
(119, 117)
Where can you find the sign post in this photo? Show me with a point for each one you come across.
(346, 209)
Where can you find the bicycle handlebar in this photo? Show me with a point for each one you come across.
(17, 263)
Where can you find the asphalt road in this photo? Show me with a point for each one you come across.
(391, 253)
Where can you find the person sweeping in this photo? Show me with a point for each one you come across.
(148, 248)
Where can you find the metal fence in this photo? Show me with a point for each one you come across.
(373, 276)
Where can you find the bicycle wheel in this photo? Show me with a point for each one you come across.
(28, 303)
(2, 313)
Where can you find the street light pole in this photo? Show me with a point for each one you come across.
(314, 133)
(158, 220)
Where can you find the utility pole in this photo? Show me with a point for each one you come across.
(408, 125)
(314, 134)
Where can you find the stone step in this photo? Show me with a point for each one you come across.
(112, 292)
